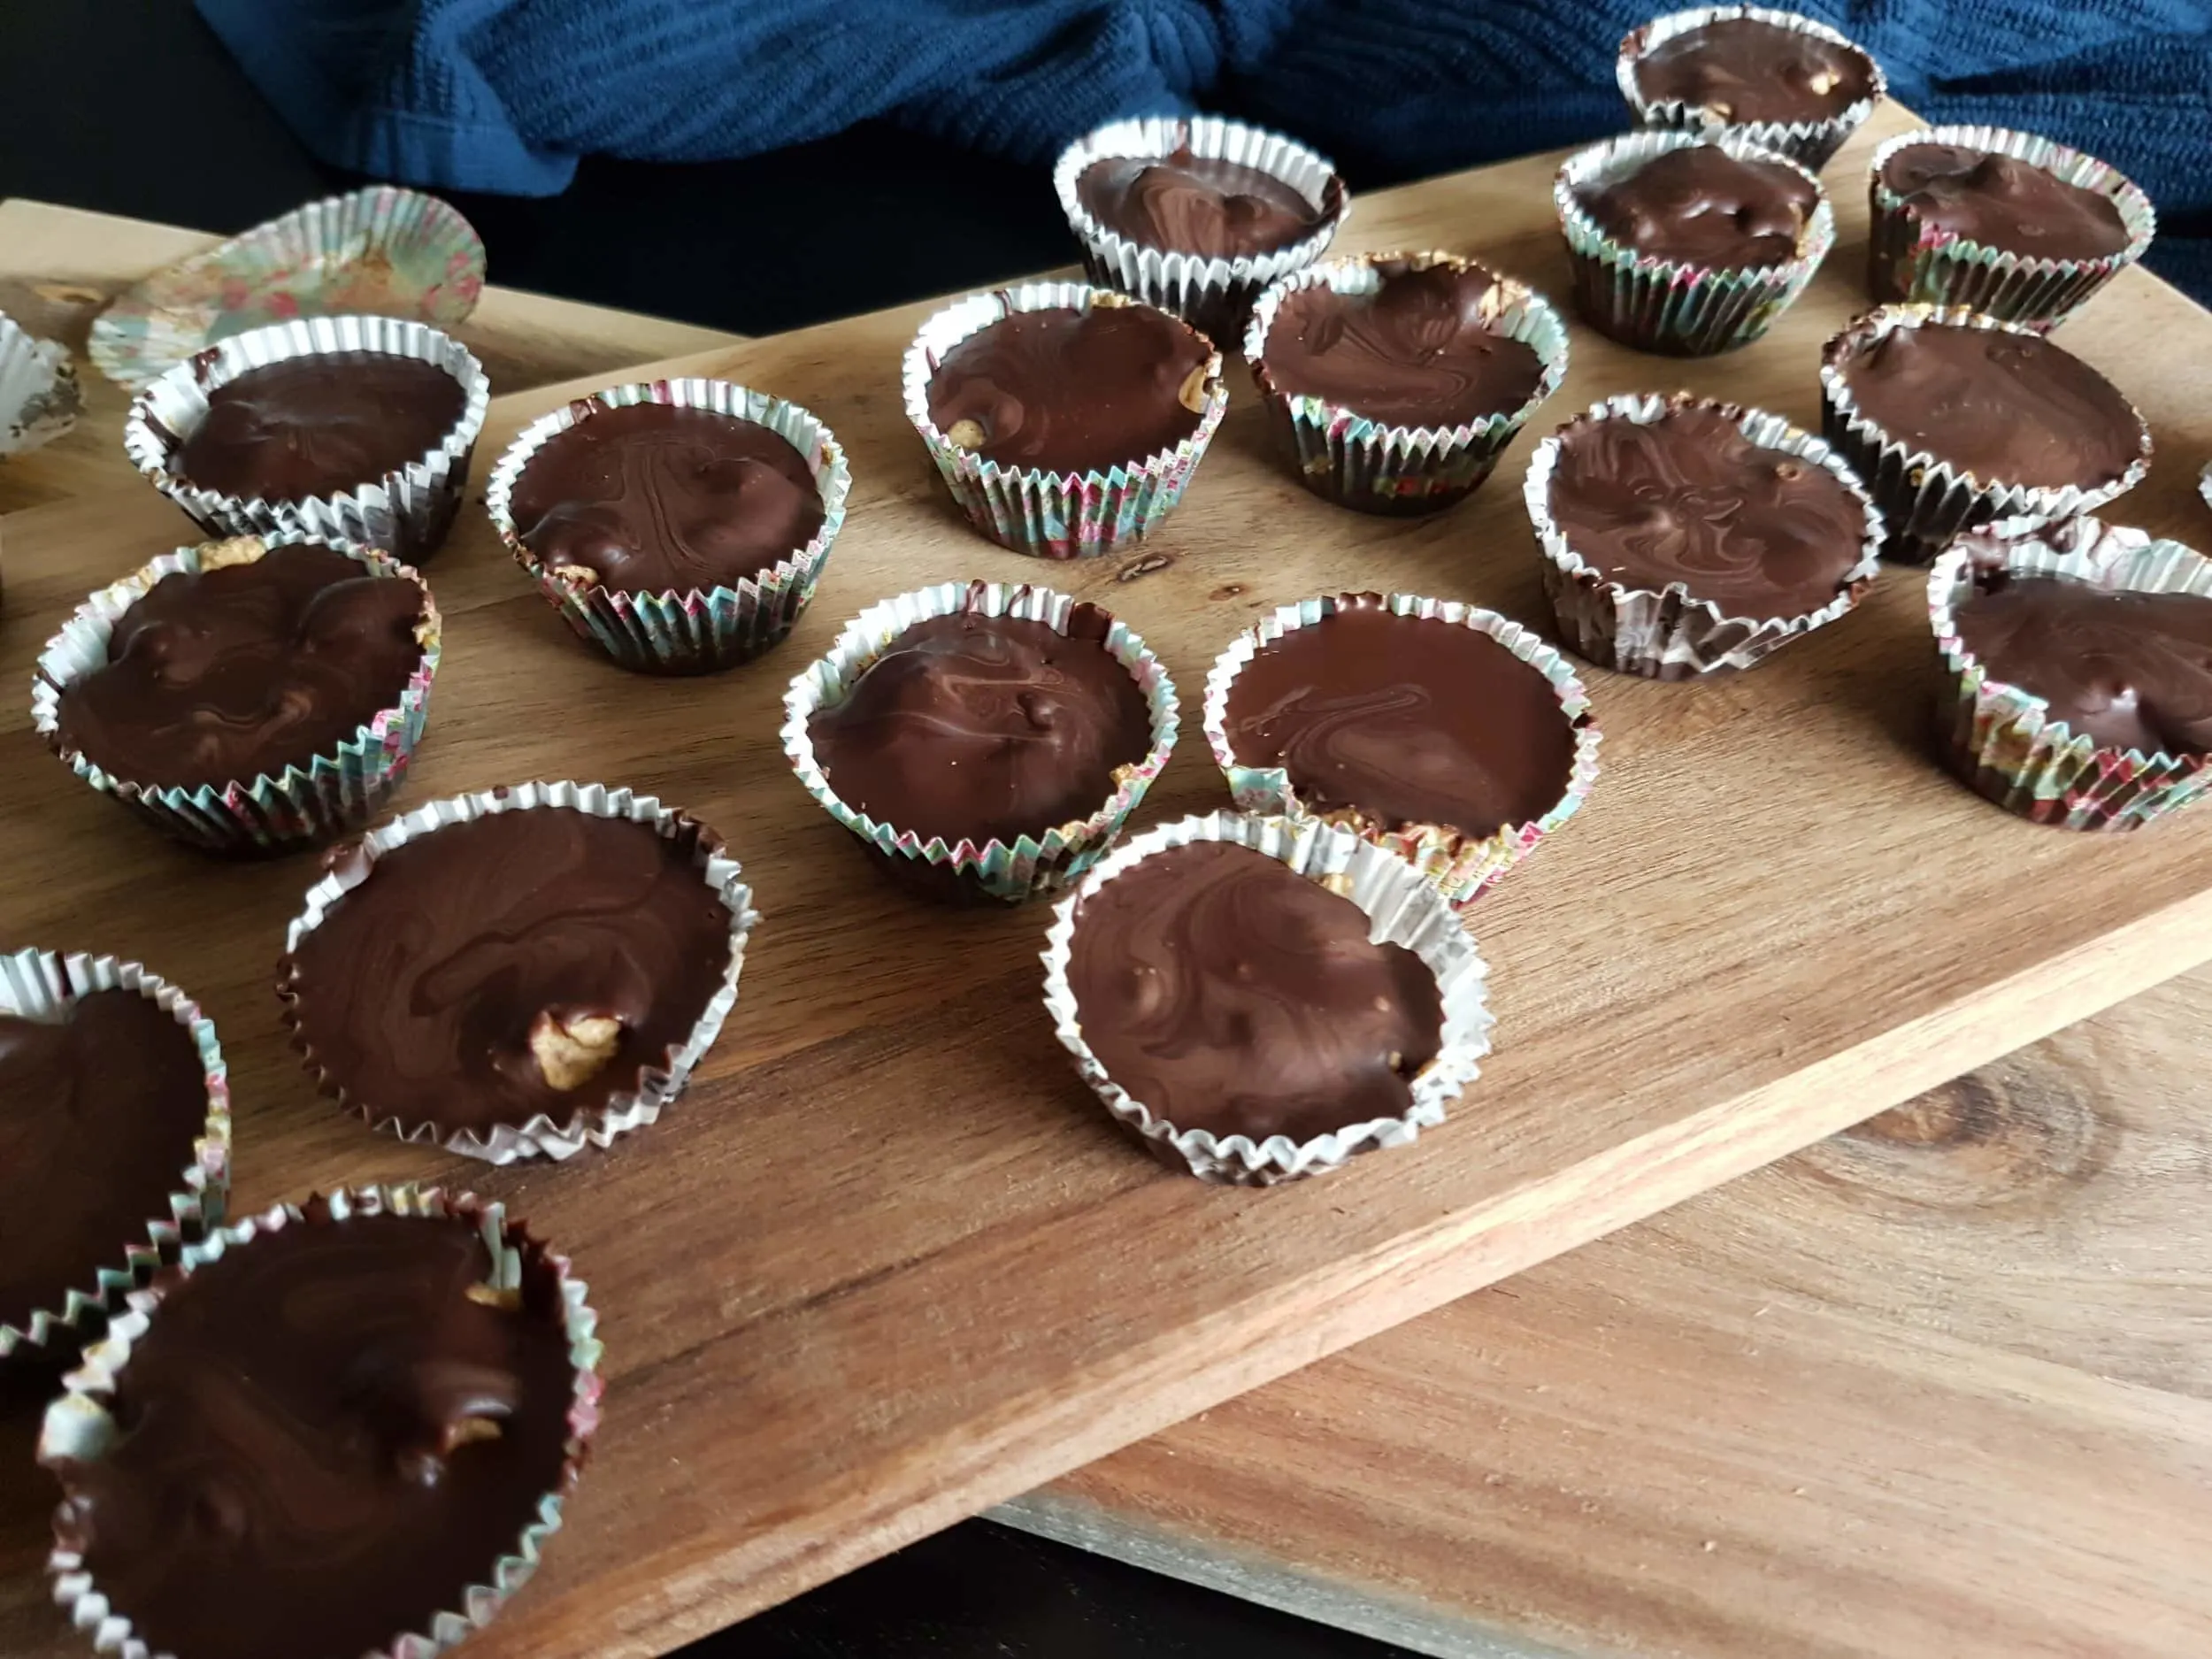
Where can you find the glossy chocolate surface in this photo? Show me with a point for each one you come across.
(1750, 71)
(321, 425)
(2002, 203)
(1186, 204)
(1703, 206)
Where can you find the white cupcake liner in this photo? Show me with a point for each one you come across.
(658, 1086)
(40, 398)
(80, 1428)
(42, 986)
(271, 813)
(1211, 293)
(1809, 143)
(1926, 502)
(700, 630)
(1373, 465)
(1461, 867)
(1031, 865)
(1670, 634)
(2002, 738)
(1402, 909)
(407, 511)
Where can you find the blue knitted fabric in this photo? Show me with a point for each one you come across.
(505, 95)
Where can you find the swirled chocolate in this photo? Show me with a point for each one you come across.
(1226, 992)
(325, 1436)
(1201, 205)
(648, 498)
(2003, 202)
(99, 1109)
(1687, 498)
(525, 963)
(1703, 206)
(245, 668)
(2127, 670)
(319, 426)
(1073, 391)
(970, 728)
(1744, 70)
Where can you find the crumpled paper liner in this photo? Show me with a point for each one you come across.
(40, 398)
(1809, 143)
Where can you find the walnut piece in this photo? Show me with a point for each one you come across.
(1193, 394)
(238, 550)
(577, 575)
(964, 435)
(570, 1055)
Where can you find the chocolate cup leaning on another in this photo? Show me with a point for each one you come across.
(1809, 142)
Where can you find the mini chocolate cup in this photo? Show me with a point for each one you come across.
(1810, 143)
(701, 631)
(80, 1427)
(1013, 871)
(1374, 466)
(40, 398)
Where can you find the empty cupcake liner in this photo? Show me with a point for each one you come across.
(1808, 143)
(1665, 305)
(1461, 867)
(80, 1428)
(40, 986)
(304, 805)
(40, 398)
(1031, 865)
(349, 866)
(1402, 909)
(1373, 465)
(701, 630)
(407, 511)
(1670, 634)
(1213, 295)
(2001, 739)
(1909, 261)
(1925, 501)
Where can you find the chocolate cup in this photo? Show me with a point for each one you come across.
(1810, 143)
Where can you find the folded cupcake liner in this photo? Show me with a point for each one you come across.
(1402, 909)
(1373, 465)
(1213, 295)
(701, 630)
(1461, 867)
(80, 1427)
(1927, 502)
(42, 986)
(407, 511)
(658, 1086)
(270, 812)
(1810, 143)
(2002, 738)
(1031, 865)
(40, 398)
(1909, 261)
(1670, 634)
(1666, 305)
(1052, 515)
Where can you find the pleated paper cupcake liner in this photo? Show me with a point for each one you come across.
(1213, 295)
(40, 398)
(407, 511)
(1927, 502)
(80, 1427)
(1052, 515)
(1908, 261)
(1669, 634)
(1402, 909)
(300, 806)
(1373, 465)
(1665, 305)
(658, 1084)
(2001, 739)
(1460, 866)
(1001, 870)
(1811, 143)
(702, 630)
(42, 986)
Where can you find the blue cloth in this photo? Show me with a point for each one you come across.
(506, 95)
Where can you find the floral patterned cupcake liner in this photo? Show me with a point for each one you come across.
(40, 398)
(1810, 143)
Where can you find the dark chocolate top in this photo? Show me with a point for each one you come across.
(2127, 670)
(224, 674)
(1186, 204)
(1703, 206)
(1405, 719)
(2008, 408)
(2005, 204)
(1688, 498)
(321, 425)
(1750, 71)
(1073, 391)
(326, 1435)
(1226, 992)
(98, 1114)
(1419, 351)
(648, 498)
(978, 728)
(429, 990)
